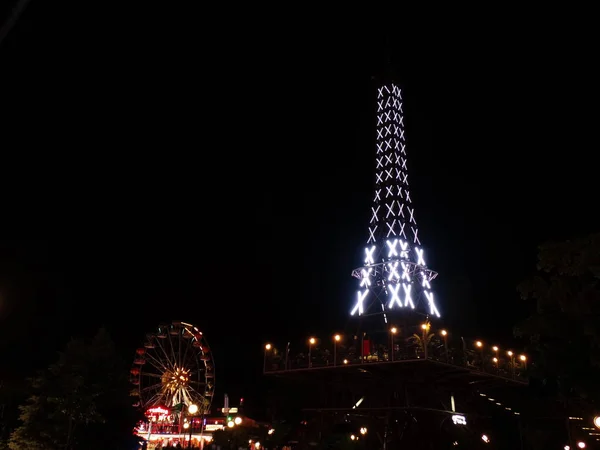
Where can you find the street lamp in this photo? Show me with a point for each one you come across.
(425, 327)
(192, 411)
(267, 348)
(479, 345)
(393, 331)
(337, 338)
(511, 355)
(311, 342)
(444, 334)
(523, 359)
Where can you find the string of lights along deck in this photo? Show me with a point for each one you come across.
(394, 275)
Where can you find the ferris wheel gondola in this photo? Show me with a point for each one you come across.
(174, 368)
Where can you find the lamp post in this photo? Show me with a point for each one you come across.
(496, 349)
(267, 348)
(311, 342)
(192, 411)
(444, 334)
(523, 359)
(479, 345)
(393, 331)
(425, 327)
(337, 338)
(511, 355)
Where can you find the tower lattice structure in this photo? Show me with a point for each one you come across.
(395, 276)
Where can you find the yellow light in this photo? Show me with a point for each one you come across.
(337, 338)
(495, 360)
(394, 330)
(186, 425)
(311, 341)
(193, 409)
(479, 344)
(597, 422)
(231, 424)
(444, 332)
(424, 326)
(509, 353)
(495, 348)
(268, 347)
(257, 444)
(345, 361)
(237, 420)
(523, 358)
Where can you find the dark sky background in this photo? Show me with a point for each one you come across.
(156, 167)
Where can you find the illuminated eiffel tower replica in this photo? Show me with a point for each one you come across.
(401, 378)
(394, 277)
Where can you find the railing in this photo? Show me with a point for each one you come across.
(394, 347)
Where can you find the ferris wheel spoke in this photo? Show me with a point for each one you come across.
(151, 387)
(194, 361)
(160, 363)
(173, 357)
(162, 347)
(156, 363)
(190, 345)
(194, 390)
(152, 375)
(154, 399)
(179, 342)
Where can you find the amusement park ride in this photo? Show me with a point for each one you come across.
(173, 376)
(396, 377)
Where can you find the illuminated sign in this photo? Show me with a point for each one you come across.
(457, 419)
(157, 410)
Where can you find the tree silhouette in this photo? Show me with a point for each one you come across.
(564, 329)
(71, 403)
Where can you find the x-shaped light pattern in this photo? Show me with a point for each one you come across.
(369, 255)
(393, 269)
(432, 308)
(392, 247)
(390, 209)
(407, 297)
(372, 231)
(411, 213)
(415, 232)
(402, 232)
(366, 280)
(403, 249)
(395, 298)
(391, 231)
(420, 256)
(375, 212)
(405, 271)
(359, 307)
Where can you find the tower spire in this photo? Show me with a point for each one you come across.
(394, 277)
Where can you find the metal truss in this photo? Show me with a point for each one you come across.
(394, 274)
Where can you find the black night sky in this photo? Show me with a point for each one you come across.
(154, 172)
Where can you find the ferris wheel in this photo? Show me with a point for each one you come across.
(174, 368)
